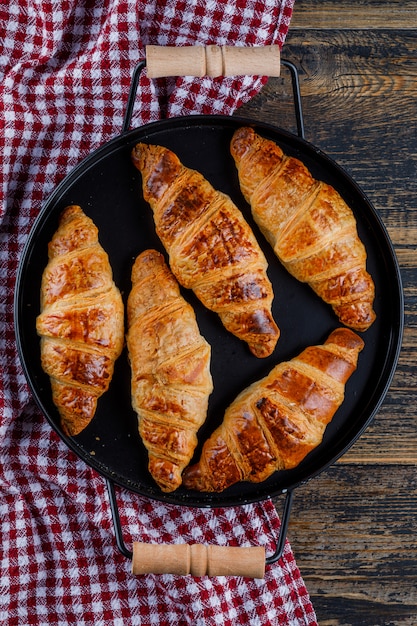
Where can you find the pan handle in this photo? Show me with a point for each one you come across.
(290, 66)
(198, 559)
(212, 61)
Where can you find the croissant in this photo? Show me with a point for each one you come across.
(211, 248)
(170, 363)
(81, 320)
(310, 227)
(276, 422)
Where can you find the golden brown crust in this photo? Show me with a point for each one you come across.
(311, 228)
(81, 320)
(277, 421)
(211, 248)
(170, 363)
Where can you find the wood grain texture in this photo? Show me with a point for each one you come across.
(351, 533)
(349, 15)
(352, 528)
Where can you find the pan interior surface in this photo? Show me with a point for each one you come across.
(108, 188)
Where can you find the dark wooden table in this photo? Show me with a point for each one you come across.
(353, 528)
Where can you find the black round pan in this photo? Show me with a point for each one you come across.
(108, 188)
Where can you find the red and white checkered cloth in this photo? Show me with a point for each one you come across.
(65, 72)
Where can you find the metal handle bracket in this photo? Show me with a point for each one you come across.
(288, 64)
(124, 550)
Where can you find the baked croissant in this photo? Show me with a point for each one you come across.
(211, 248)
(311, 229)
(170, 363)
(276, 422)
(81, 323)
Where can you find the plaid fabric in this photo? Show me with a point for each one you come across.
(65, 73)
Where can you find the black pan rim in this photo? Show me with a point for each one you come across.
(263, 490)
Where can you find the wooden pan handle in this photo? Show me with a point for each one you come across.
(212, 61)
(198, 560)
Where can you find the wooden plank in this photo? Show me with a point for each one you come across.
(352, 533)
(345, 15)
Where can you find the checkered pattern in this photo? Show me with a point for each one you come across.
(65, 72)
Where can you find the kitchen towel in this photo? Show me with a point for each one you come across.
(65, 70)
